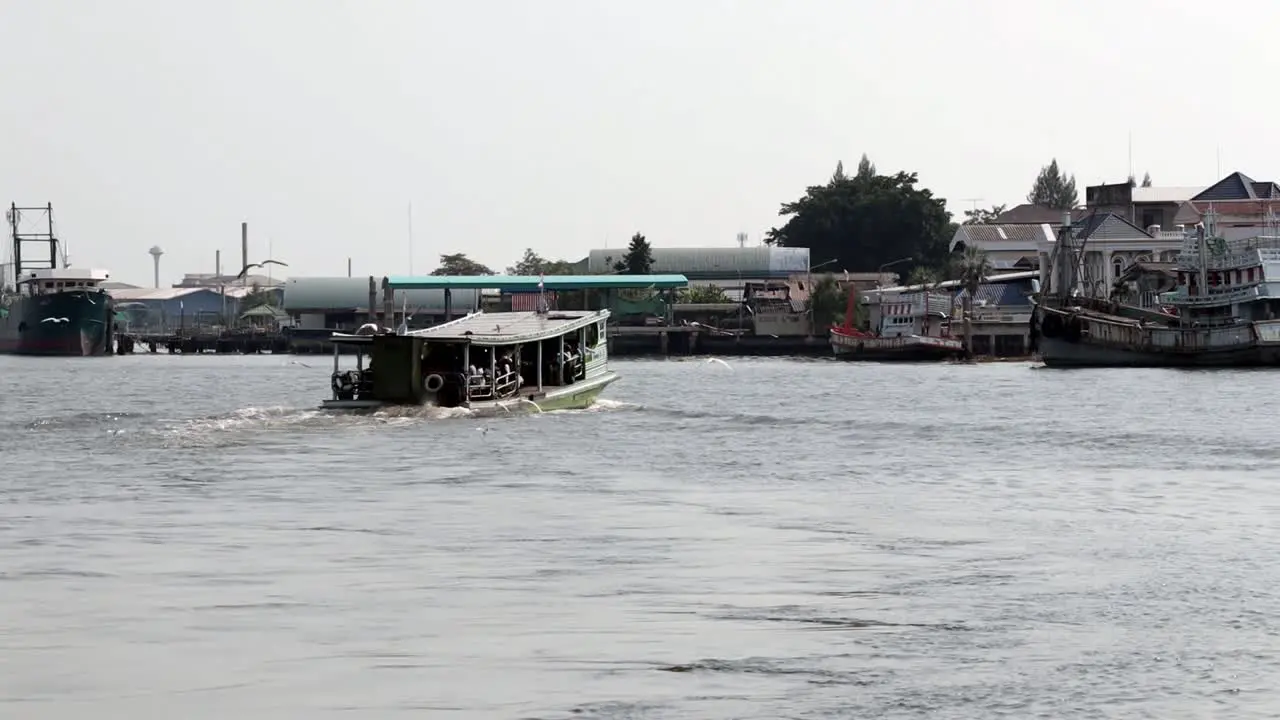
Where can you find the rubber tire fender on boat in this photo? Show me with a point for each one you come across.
(1073, 330)
(1051, 327)
(434, 382)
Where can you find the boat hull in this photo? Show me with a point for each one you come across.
(1056, 352)
(578, 396)
(1074, 339)
(911, 348)
(79, 323)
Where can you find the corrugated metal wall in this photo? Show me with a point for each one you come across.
(712, 263)
(344, 293)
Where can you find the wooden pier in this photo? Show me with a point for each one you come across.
(665, 340)
(187, 343)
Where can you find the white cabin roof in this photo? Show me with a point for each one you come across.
(507, 328)
(75, 274)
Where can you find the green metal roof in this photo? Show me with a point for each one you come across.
(529, 283)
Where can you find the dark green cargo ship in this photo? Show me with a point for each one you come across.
(52, 310)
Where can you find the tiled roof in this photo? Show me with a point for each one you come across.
(1266, 190)
(1035, 214)
(1186, 215)
(978, 234)
(999, 294)
(1246, 208)
(1108, 226)
(1238, 186)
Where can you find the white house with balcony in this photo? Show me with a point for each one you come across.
(1108, 246)
(1009, 247)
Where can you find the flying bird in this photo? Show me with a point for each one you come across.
(55, 320)
(718, 360)
(244, 271)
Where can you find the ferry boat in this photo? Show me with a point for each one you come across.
(52, 310)
(909, 326)
(1222, 313)
(544, 360)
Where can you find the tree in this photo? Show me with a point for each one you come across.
(1146, 179)
(864, 223)
(866, 169)
(460, 264)
(827, 304)
(639, 257)
(929, 279)
(838, 175)
(1133, 182)
(534, 264)
(923, 275)
(1053, 188)
(703, 295)
(981, 216)
(256, 297)
(972, 266)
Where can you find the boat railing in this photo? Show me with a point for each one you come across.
(481, 387)
(506, 384)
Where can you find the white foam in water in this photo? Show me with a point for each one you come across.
(216, 429)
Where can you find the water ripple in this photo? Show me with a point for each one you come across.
(190, 537)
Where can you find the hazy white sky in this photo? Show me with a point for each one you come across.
(570, 124)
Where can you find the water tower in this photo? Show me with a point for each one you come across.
(156, 252)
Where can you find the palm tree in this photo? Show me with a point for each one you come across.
(929, 280)
(972, 267)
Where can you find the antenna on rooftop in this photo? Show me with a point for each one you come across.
(742, 239)
(975, 202)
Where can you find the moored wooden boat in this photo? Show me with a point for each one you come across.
(905, 324)
(551, 360)
(1222, 312)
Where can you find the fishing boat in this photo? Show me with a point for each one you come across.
(908, 327)
(548, 360)
(52, 308)
(1222, 313)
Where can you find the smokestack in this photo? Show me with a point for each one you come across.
(217, 264)
(244, 248)
(348, 267)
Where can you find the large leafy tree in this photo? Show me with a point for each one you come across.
(639, 257)
(1054, 188)
(868, 221)
(983, 216)
(534, 264)
(460, 264)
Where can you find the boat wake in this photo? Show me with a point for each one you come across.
(247, 423)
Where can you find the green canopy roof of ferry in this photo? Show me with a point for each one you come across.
(529, 283)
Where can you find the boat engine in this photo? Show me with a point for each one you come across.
(345, 383)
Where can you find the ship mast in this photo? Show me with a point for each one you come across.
(47, 238)
(1063, 276)
(1207, 228)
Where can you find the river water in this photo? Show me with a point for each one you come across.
(184, 537)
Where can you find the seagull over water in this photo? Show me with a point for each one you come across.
(55, 320)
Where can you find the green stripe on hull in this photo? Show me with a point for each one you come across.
(578, 398)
